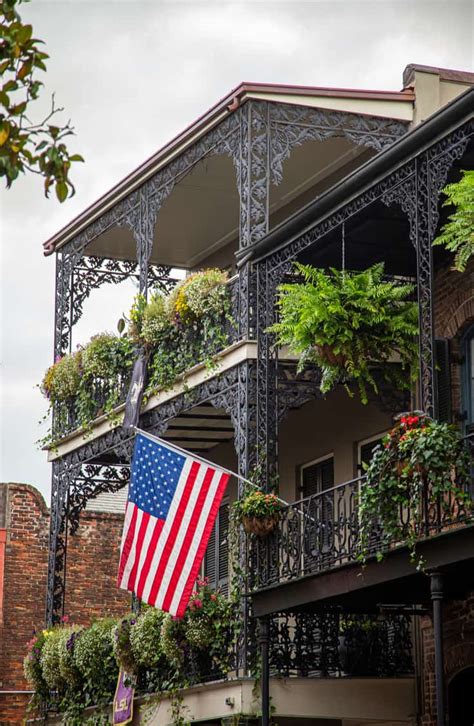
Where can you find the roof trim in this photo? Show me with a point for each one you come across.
(462, 108)
(227, 105)
(445, 74)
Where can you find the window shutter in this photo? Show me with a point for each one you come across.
(216, 558)
(317, 477)
(210, 570)
(443, 379)
(223, 553)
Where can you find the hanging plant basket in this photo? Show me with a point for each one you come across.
(261, 526)
(348, 322)
(327, 353)
(259, 512)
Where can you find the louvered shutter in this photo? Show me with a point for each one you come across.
(443, 379)
(210, 570)
(223, 549)
(216, 558)
(317, 477)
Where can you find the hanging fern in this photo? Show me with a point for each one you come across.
(457, 235)
(347, 322)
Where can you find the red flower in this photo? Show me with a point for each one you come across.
(213, 597)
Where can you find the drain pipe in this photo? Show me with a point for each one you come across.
(263, 639)
(437, 596)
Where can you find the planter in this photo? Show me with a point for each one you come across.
(261, 526)
(326, 352)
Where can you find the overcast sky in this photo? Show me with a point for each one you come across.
(133, 74)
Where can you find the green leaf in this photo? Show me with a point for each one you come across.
(61, 191)
(76, 157)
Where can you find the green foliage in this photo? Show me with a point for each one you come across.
(32, 666)
(199, 295)
(156, 325)
(91, 381)
(88, 382)
(26, 146)
(183, 329)
(122, 645)
(145, 639)
(54, 641)
(62, 380)
(173, 640)
(421, 464)
(95, 661)
(345, 322)
(258, 504)
(209, 622)
(457, 235)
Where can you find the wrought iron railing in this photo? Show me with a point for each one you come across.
(321, 532)
(67, 415)
(332, 645)
(314, 645)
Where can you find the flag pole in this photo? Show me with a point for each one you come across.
(180, 450)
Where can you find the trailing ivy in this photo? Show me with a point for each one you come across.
(420, 470)
(348, 322)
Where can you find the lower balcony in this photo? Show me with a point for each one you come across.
(314, 555)
(326, 668)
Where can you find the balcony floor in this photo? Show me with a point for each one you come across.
(394, 581)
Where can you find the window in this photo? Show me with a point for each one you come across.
(216, 558)
(365, 451)
(317, 517)
(468, 380)
(317, 477)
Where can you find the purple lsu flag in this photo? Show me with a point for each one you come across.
(123, 701)
(173, 501)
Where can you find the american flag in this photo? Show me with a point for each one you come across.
(173, 501)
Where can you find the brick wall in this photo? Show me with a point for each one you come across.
(92, 563)
(458, 643)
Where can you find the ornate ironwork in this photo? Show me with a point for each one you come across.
(334, 644)
(258, 137)
(92, 480)
(292, 126)
(91, 272)
(87, 470)
(321, 532)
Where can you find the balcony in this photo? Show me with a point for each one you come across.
(310, 656)
(199, 357)
(321, 535)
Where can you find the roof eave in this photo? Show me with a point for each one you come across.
(365, 176)
(227, 105)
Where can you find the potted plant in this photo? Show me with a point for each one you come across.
(259, 512)
(347, 322)
(417, 481)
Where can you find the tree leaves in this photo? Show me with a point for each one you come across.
(26, 146)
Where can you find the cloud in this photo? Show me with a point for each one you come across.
(131, 75)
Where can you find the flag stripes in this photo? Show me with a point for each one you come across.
(173, 503)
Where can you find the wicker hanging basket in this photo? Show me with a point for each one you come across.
(326, 352)
(261, 526)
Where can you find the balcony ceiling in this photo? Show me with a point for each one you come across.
(201, 216)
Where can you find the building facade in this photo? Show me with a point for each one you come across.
(269, 176)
